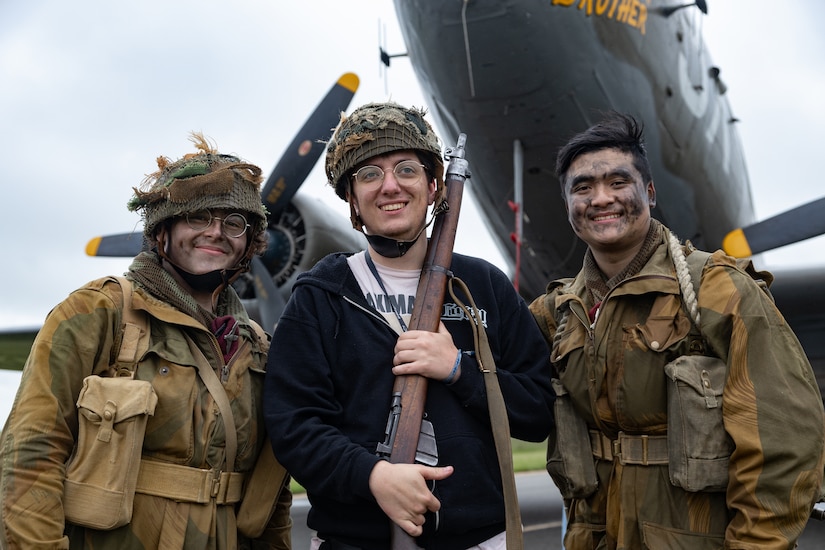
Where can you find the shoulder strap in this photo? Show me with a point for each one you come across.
(134, 340)
(689, 273)
(696, 261)
(216, 389)
(498, 417)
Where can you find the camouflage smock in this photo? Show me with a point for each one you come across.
(77, 340)
(614, 373)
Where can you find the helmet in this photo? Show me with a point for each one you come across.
(198, 181)
(375, 129)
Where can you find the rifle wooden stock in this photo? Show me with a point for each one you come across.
(426, 315)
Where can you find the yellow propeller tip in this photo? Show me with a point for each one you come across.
(349, 81)
(92, 246)
(736, 244)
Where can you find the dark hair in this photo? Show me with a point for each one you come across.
(615, 131)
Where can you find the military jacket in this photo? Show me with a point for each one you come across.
(614, 371)
(79, 338)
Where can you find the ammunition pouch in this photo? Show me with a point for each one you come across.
(263, 489)
(102, 472)
(568, 457)
(699, 448)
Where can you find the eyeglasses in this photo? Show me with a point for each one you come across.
(406, 172)
(234, 225)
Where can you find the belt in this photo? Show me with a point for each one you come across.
(644, 450)
(186, 484)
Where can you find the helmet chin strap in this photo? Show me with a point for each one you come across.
(205, 282)
(391, 248)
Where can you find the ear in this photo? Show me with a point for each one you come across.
(432, 187)
(651, 194)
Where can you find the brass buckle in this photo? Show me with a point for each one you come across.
(216, 485)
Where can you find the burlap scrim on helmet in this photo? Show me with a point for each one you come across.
(375, 129)
(200, 181)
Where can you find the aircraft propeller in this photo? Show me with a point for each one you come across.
(276, 193)
(792, 226)
(284, 180)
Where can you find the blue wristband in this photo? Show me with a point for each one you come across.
(451, 376)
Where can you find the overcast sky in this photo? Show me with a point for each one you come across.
(93, 91)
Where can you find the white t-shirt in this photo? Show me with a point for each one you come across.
(401, 285)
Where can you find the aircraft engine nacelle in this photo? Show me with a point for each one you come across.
(305, 231)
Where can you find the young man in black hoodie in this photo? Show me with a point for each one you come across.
(343, 338)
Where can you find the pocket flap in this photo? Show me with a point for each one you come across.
(117, 399)
(706, 375)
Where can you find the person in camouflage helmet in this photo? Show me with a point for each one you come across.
(350, 313)
(373, 130)
(197, 185)
(203, 222)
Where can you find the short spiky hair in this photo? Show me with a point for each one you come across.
(615, 131)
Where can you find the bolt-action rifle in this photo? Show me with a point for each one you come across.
(406, 420)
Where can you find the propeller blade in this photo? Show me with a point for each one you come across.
(122, 245)
(792, 226)
(270, 302)
(302, 154)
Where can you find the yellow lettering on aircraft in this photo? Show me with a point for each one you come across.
(629, 12)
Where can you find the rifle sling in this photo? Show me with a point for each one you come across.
(498, 416)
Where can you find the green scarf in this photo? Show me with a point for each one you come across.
(146, 270)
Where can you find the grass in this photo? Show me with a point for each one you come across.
(527, 457)
(15, 348)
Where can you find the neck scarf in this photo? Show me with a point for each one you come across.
(594, 278)
(147, 271)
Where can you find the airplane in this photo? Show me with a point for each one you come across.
(477, 64)
(520, 77)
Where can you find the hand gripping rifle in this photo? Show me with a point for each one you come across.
(406, 420)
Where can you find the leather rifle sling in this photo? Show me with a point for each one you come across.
(498, 417)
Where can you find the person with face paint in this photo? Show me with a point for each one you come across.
(203, 357)
(680, 381)
(343, 338)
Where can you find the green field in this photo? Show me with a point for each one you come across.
(14, 348)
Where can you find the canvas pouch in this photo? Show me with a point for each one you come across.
(699, 448)
(570, 461)
(102, 472)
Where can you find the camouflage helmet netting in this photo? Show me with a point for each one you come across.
(375, 129)
(200, 181)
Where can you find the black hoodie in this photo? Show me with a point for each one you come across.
(327, 400)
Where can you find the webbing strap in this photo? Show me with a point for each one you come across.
(498, 417)
(185, 484)
(641, 450)
(135, 334)
(213, 384)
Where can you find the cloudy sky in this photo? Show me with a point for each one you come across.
(94, 90)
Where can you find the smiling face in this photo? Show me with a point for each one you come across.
(608, 204)
(200, 252)
(392, 209)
